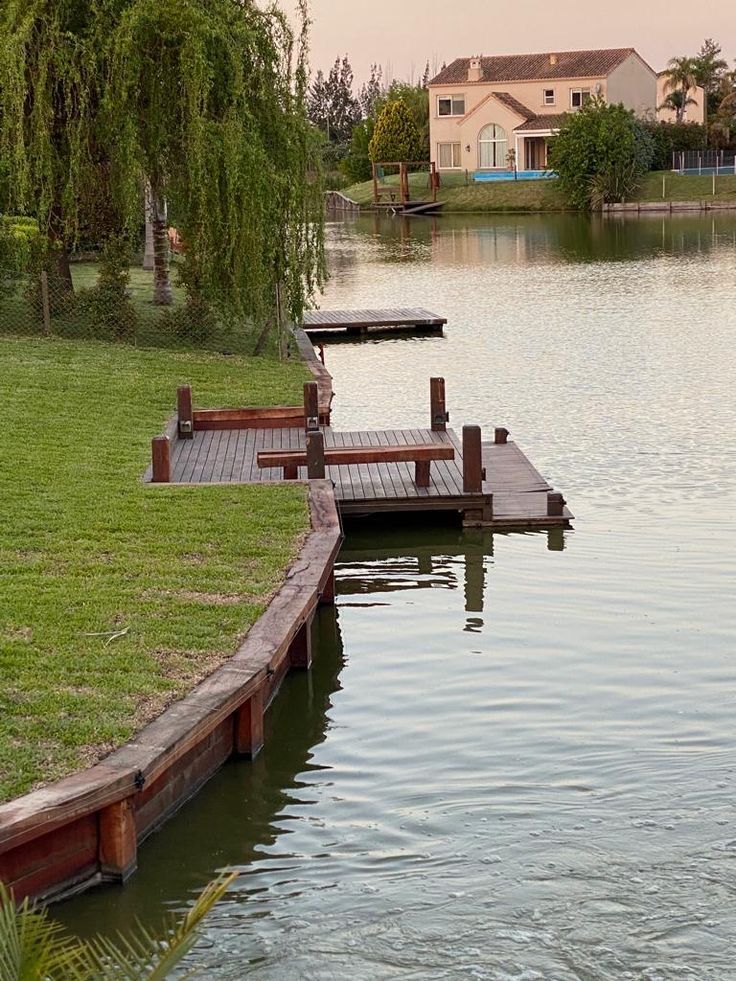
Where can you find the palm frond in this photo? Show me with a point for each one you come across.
(32, 946)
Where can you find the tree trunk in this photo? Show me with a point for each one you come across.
(162, 293)
(64, 270)
(148, 249)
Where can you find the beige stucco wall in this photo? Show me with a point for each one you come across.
(632, 83)
(635, 84)
(693, 114)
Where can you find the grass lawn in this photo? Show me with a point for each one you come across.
(86, 548)
(458, 195)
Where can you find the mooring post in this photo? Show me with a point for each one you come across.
(315, 456)
(311, 406)
(248, 738)
(473, 473)
(501, 436)
(327, 596)
(160, 460)
(555, 504)
(184, 412)
(438, 409)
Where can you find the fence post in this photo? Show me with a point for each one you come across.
(315, 456)
(311, 406)
(472, 460)
(45, 302)
(438, 410)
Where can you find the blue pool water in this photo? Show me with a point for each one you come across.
(508, 175)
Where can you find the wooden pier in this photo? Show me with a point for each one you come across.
(361, 322)
(488, 482)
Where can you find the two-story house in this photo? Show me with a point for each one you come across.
(490, 113)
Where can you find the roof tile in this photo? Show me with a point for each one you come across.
(531, 67)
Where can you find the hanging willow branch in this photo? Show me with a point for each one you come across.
(206, 100)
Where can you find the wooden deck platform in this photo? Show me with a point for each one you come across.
(519, 494)
(362, 321)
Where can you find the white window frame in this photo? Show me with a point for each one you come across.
(452, 99)
(582, 93)
(498, 147)
(459, 156)
(545, 100)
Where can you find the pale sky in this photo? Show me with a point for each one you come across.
(403, 34)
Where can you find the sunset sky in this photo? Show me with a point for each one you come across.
(403, 34)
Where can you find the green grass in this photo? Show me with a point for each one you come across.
(86, 547)
(539, 196)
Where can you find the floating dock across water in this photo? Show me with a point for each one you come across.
(360, 322)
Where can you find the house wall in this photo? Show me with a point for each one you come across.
(693, 114)
(635, 84)
(481, 109)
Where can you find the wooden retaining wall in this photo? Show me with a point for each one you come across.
(667, 207)
(337, 201)
(86, 828)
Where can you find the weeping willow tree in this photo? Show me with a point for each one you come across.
(203, 102)
(52, 161)
(206, 102)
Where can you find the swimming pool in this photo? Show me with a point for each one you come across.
(508, 175)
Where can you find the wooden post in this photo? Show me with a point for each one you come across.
(45, 302)
(184, 413)
(472, 460)
(555, 504)
(315, 456)
(118, 844)
(438, 410)
(375, 184)
(160, 460)
(249, 726)
(300, 650)
(311, 406)
(327, 596)
(421, 473)
(501, 436)
(291, 472)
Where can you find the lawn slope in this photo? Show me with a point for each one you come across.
(86, 549)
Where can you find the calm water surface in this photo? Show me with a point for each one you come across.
(516, 755)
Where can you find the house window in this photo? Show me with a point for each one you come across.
(449, 156)
(451, 105)
(493, 147)
(549, 97)
(578, 98)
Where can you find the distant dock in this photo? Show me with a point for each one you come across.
(362, 322)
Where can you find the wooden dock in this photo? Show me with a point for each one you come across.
(361, 322)
(489, 482)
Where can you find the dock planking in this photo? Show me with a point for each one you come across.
(517, 491)
(362, 322)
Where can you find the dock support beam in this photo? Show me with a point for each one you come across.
(300, 651)
(184, 413)
(315, 456)
(311, 406)
(438, 409)
(555, 505)
(501, 436)
(160, 460)
(249, 726)
(118, 846)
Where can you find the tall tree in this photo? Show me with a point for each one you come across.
(396, 136)
(370, 92)
(681, 78)
(333, 107)
(708, 69)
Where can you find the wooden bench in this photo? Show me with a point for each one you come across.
(421, 454)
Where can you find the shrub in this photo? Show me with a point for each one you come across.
(601, 154)
(669, 138)
(396, 136)
(357, 165)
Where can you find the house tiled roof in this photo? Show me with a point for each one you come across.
(514, 105)
(533, 67)
(550, 121)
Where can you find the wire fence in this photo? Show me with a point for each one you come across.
(43, 305)
(704, 161)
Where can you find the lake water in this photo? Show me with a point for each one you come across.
(516, 755)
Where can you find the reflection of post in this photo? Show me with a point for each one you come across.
(556, 540)
(424, 561)
(475, 581)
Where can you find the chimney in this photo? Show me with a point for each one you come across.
(475, 70)
(553, 59)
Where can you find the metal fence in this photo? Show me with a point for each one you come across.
(43, 305)
(704, 162)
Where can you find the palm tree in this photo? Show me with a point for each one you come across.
(681, 77)
(33, 946)
(677, 102)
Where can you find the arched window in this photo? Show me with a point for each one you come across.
(493, 147)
